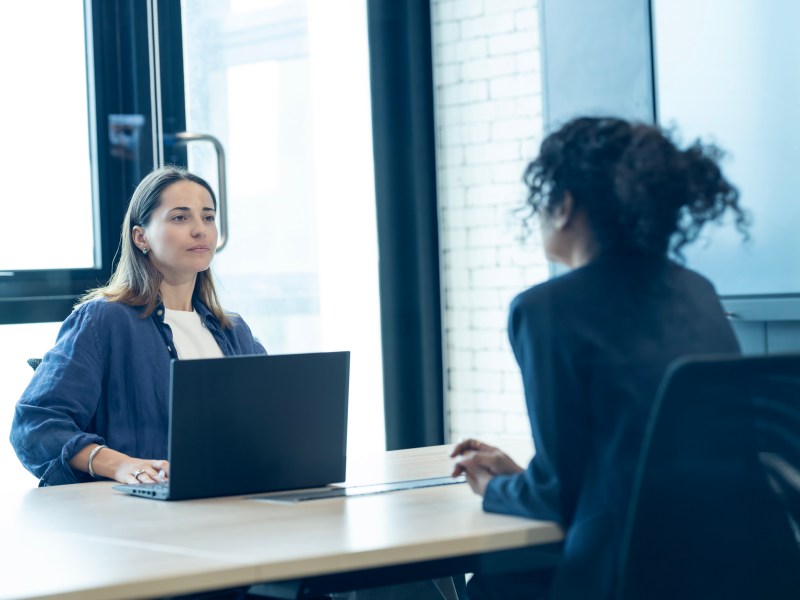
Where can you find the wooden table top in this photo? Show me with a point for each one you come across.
(90, 541)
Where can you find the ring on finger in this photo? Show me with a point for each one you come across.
(139, 472)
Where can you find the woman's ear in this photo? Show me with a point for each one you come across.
(138, 237)
(563, 213)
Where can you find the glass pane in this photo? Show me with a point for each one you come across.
(45, 158)
(285, 86)
(18, 343)
(727, 71)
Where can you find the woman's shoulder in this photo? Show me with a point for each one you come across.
(541, 305)
(555, 290)
(582, 288)
(240, 330)
(104, 306)
(104, 310)
(237, 323)
(690, 276)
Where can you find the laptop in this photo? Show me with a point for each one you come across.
(252, 424)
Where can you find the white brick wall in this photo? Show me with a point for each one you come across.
(488, 125)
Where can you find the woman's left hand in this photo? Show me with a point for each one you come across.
(138, 470)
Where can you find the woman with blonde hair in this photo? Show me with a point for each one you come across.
(97, 406)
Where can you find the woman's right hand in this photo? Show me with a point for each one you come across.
(486, 456)
(480, 463)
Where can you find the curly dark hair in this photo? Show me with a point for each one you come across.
(640, 193)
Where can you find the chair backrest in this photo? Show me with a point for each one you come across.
(716, 500)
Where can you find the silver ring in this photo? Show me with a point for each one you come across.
(137, 473)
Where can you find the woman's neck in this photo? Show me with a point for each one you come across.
(581, 247)
(177, 296)
(581, 254)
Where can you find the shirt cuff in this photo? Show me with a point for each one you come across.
(60, 472)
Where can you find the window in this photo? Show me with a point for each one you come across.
(79, 142)
(284, 85)
(48, 144)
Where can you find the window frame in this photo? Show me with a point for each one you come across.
(121, 44)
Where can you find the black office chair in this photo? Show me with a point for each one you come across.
(715, 511)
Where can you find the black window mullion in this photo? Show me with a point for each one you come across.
(173, 96)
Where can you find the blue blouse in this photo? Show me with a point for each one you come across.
(106, 381)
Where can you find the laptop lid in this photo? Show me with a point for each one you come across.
(250, 424)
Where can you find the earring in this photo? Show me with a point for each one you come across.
(145, 251)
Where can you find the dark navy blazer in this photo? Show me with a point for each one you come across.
(593, 346)
(106, 381)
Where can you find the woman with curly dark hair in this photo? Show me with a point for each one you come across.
(615, 200)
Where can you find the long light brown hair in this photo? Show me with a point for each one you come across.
(135, 280)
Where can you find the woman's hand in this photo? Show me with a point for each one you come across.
(139, 470)
(481, 462)
(120, 467)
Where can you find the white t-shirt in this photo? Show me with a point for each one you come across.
(191, 339)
